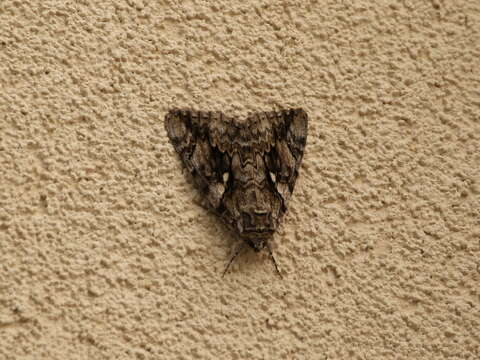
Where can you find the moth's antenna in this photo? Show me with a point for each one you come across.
(236, 252)
(269, 248)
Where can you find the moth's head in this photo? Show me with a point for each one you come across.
(256, 244)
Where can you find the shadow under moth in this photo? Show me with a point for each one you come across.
(246, 169)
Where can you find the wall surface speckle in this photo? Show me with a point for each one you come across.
(105, 249)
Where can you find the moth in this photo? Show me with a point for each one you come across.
(245, 169)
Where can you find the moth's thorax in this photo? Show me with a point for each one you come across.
(256, 210)
(253, 199)
(258, 222)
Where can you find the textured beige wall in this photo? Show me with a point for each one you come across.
(105, 251)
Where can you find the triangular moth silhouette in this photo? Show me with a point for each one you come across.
(245, 169)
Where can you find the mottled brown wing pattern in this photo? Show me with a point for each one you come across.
(190, 134)
(246, 169)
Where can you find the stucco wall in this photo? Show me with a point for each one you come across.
(105, 251)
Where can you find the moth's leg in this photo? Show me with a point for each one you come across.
(237, 250)
(269, 248)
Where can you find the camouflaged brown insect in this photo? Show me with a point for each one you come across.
(245, 169)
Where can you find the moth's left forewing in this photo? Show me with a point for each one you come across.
(297, 133)
(290, 128)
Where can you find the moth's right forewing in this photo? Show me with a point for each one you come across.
(190, 132)
(178, 132)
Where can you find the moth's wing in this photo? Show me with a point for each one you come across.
(193, 134)
(289, 140)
